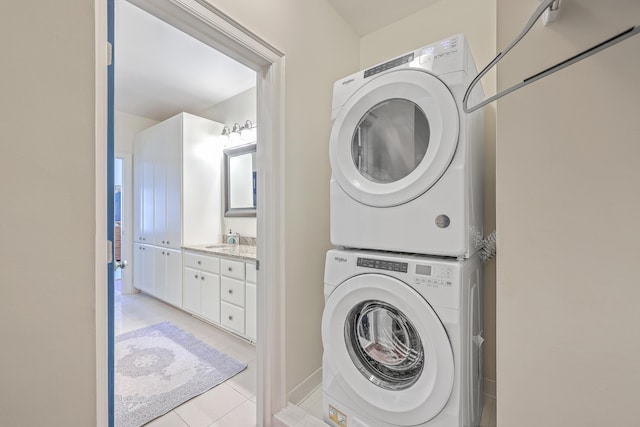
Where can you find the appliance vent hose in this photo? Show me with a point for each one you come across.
(488, 249)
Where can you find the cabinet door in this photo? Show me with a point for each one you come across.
(159, 198)
(210, 304)
(147, 191)
(173, 276)
(138, 190)
(159, 288)
(251, 311)
(138, 267)
(191, 288)
(143, 268)
(172, 153)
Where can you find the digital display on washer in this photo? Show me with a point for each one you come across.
(382, 264)
(423, 269)
(388, 65)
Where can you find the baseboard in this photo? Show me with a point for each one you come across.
(305, 388)
(489, 389)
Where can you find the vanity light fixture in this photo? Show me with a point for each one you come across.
(244, 131)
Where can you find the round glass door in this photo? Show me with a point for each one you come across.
(394, 138)
(390, 141)
(384, 345)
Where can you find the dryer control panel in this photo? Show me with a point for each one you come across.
(383, 264)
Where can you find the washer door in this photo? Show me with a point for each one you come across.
(388, 350)
(394, 138)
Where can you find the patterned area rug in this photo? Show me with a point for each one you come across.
(160, 367)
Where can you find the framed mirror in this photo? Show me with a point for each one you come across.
(240, 180)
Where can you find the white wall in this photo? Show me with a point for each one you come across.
(47, 291)
(442, 19)
(126, 126)
(568, 181)
(319, 48)
(237, 109)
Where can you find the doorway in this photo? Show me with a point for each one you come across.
(212, 27)
(161, 73)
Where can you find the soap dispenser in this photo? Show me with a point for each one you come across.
(231, 238)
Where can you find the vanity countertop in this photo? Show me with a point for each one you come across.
(243, 252)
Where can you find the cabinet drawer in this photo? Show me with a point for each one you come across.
(233, 269)
(232, 317)
(202, 262)
(251, 273)
(232, 290)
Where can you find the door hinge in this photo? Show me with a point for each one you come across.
(257, 265)
(109, 251)
(109, 53)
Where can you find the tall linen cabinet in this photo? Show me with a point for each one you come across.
(177, 199)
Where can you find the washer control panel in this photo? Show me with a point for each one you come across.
(433, 275)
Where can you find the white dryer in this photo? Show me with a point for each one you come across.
(407, 162)
(402, 337)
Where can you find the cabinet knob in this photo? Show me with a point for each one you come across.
(163, 242)
(230, 317)
(201, 277)
(230, 291)
(162, 252)
(168, 253)
(196, 276)
(230, 269)
(199, 262)
(167, 242)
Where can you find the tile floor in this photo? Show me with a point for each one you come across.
(232, 403)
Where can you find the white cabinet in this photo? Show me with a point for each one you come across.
(201, 286)
(232, 293)
(143, 200)
(167, 267)
(177, 196)
(177, 182)
(221, 290)
(143, 274)
(251, 312)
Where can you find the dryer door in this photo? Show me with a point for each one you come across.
(387, 348)
(394, 138)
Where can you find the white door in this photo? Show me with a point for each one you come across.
(387, 348)
(173, 259)
(394, 138)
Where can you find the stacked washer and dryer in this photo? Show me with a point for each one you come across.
(402, 324)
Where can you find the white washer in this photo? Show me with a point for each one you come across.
(407, 163)
(402, 340)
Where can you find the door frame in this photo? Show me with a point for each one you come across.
(211, 26)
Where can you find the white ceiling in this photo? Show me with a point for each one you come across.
(366, 16)
(161, 71)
